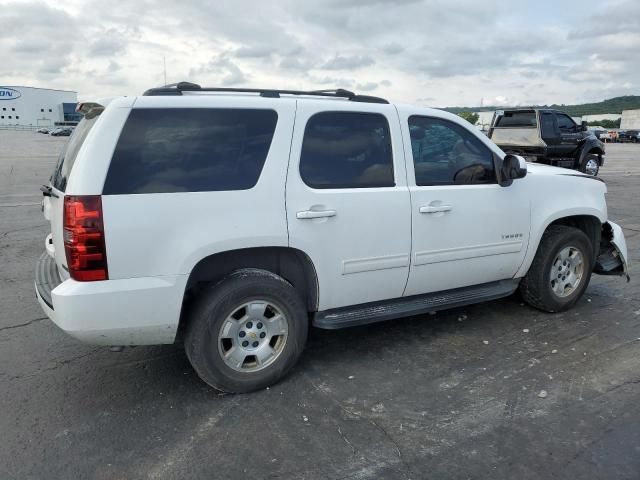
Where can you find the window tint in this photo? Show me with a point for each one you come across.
(445, 153)
(565, 123)
(347, 150)
(517, 119)
(548, 127)
(190, 150)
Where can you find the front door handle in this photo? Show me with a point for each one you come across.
(315, 214)
(435, 208)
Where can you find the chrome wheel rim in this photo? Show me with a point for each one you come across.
(567, 271)
(253, 336)
(591, 167)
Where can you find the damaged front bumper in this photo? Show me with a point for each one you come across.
(612, 259)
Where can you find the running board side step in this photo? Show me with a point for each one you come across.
(415, 305)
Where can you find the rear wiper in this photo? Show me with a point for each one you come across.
(47, 191)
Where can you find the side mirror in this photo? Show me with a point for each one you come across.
(583, 126)
(513, 167)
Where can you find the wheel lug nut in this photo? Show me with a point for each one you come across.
(245, 343)
(259, 325)
(242, 334)
(262, 334)
(249, 324)
(255, 344)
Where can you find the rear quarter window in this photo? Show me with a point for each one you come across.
(190, 150)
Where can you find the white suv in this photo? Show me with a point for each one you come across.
(232, 219)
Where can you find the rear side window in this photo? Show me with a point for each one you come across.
(517, 119)
(347, 150)
(70, 151)
(190, 150)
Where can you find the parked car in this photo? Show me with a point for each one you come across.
(547, 136)
(231, 223)
(61, 132)
(601, 133)
(43, 130)
(632, 136)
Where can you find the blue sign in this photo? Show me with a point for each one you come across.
(9, 93)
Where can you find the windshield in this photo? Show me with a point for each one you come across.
(70, 152)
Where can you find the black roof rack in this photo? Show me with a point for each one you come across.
(178, 88)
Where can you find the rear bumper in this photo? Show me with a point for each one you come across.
(47, 278)
(133, 311)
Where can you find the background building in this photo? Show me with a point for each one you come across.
(37, 107)
(630, 119)
(600, 117)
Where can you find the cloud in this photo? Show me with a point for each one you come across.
(109, 44)
(441, 53)
(255, 51)
(348, 62)
(392, 48)
(366, 87)
(225, 70)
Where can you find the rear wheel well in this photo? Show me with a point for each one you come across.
(291, 264)
(591, 226)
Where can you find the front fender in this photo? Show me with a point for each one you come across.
(612, 259)
(589, 145)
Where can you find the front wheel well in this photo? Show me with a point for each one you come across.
(595, 151)
(590, 225)
(289, 263)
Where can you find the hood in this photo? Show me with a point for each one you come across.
(542, 169)
(568, 175)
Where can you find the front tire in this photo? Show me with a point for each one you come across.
(246, 332)
(560, 271)
(590, 165)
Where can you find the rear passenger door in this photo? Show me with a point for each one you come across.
(348, 206)
(467, 229)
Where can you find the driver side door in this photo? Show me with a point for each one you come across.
(466, 229)
(569, 135)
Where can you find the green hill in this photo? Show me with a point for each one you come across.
(612, 105)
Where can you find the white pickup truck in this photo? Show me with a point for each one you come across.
(232, 220)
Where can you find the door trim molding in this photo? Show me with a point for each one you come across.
(461, 253)
(375, 263)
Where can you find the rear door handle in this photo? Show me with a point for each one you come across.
(315, 214)
(435, 208)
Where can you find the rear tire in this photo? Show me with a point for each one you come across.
(246, 332)
(560, 271)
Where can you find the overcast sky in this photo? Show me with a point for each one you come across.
(439, 53)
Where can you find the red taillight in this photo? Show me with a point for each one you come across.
(84, 238)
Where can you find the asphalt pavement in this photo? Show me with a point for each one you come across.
(446, 396)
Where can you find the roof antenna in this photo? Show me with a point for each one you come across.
(164, 62)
